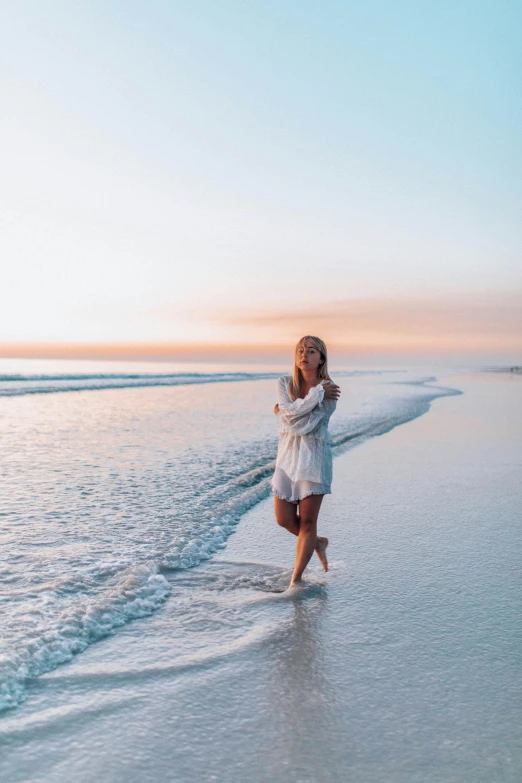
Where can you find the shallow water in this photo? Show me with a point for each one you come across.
(109, 493)
(401, 665)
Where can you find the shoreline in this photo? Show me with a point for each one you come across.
(512, 370)
(410, 671)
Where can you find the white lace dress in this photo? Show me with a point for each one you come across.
(304, 455)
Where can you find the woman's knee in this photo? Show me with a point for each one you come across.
(308, 524)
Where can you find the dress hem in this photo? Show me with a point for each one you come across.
(296, 500)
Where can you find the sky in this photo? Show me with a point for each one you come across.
(235, 174)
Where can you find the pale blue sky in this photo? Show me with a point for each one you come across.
(167, 163)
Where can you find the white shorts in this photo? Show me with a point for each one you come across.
(294, 491)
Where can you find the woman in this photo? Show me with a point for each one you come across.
(303, 473)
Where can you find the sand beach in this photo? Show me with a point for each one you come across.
(402, 664)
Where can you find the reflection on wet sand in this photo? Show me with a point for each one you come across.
(308, 716)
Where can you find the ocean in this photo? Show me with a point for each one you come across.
(142, 630)
(112, 481)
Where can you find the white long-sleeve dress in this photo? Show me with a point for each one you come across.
(304, 455)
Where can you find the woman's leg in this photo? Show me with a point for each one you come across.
(287, 516)
(307, 538)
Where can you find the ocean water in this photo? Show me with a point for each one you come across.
(112, 496)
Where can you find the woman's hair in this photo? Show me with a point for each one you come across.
(296, 384)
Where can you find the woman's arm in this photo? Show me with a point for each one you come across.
(299, 406)
(300, 416)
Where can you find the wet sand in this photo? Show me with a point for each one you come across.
(402, 664)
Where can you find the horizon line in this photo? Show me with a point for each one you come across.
(219, 351)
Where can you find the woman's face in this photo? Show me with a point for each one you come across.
(308, 357)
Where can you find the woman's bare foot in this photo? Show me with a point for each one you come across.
(320, 548)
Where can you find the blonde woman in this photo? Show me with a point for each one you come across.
(303, 473)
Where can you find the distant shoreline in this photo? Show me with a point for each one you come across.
(515, 370)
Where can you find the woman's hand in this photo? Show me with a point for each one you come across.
(331, 390)
(276, 408)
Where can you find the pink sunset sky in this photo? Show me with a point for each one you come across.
(212, 182)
